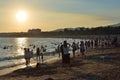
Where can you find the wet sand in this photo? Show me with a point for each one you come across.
(8, 69)
(97, 66)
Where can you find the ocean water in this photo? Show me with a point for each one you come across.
(11, 49)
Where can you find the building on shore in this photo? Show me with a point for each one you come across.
(34, 31)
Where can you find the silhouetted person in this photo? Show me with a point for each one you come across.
(27, 55)
(92, 43)
(96, 43)
(38, 55)
(58, 50)
(115, 42)
(66, 54)
(74, 49)
(82, 49)
(42, 52)
(61, 49)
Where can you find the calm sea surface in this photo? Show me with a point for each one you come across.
(11, 49)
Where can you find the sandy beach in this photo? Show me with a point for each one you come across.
(97, 66)
(59, 39)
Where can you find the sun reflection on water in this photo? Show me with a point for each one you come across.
(21, 43)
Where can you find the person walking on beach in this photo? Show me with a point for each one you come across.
(38, 54)
(82, 49)
(86, 45)
(42, 52)
(66, 54)
(27, 56)
(92, 43)
(74, 49)
(96, 43)
(58, 50)
(61, 49)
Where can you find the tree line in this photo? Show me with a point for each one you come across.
(92, 31)
(66, 32)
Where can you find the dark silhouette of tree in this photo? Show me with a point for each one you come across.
(93, 31)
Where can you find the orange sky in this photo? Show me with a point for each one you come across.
(50, 15)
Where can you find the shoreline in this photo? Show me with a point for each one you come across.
(66, 36)
(91, 68)
(10, 68)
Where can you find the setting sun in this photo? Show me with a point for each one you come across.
(21, 16)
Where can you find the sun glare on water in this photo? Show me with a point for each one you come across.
(21, 16)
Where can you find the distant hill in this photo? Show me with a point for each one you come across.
(115, 25)
(57, 30)
(77, 28)
(69, 32)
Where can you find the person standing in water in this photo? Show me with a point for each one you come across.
(27, 55)
(38, 54)
(42, 52)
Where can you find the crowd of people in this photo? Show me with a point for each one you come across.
(63, 49)
(29, 54)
